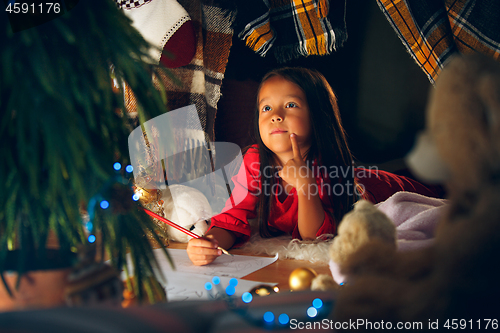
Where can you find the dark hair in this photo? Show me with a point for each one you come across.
(328, 145)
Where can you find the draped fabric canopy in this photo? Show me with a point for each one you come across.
(434, 30)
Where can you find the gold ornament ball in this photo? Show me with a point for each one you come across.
(263, 290)
(301, 278)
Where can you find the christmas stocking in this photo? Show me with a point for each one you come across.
(167, 26)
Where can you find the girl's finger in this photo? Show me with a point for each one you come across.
(203, 242)
(295, 146)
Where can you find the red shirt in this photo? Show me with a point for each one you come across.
(378, 186)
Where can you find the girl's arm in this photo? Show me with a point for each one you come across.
(311, 214)
(203, 251)
(310, 211)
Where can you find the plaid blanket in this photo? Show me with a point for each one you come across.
(200, 80)
(434, 30)
(294, 28)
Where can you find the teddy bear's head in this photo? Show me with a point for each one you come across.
(364, 223)
(187, 207)
(461, 145)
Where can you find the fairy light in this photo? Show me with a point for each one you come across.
(317, 303)
(104, 204)
(117, 166)
(268, 317)
(136, 197)
(246, 297)
(233, 282)
(91, 239)
(312, 312)
(230, 290)
(283, 319)
(129, 168)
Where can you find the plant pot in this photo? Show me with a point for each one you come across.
(41, 286)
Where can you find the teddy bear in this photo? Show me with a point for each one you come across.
(453, 282)
(187, 207)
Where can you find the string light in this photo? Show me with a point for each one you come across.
(283, 319)
(117, 166)
(230, 290)
(268, 317)
(91, 238)
(135, 197)
(129, 168)
(233, 282)
(312, 312)
(246, 297)
(317, 303)
(104, 204)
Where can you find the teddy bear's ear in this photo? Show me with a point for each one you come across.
(425, 162)
(489, 92)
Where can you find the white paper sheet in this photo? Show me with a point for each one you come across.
(183, 287)
(187, 281)
(230, 266)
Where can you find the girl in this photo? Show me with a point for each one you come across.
(299, 177)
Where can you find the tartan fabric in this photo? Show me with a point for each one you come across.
(200, 81)
(294, 28)
(433, 30)
(127, 4)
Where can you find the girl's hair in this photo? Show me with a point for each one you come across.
(328, 144)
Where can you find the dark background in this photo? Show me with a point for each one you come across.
(382, 93)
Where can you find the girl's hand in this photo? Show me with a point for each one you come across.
(295, 172)
(203, 251)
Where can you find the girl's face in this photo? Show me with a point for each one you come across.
(283, 110)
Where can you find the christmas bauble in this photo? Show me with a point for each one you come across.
(263, 290)
(301, 278)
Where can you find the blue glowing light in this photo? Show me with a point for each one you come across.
(317, 303)
(91, 238)
(341, 283)
(104, 204)
(246, 297)
(208, 286)
(117, 166)
(268, 317)
(312, 312)
(233, 282)
(230, 290)
(135, 197)
(283, 319)
(89, 226)
(129, 168)
(216, 280)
